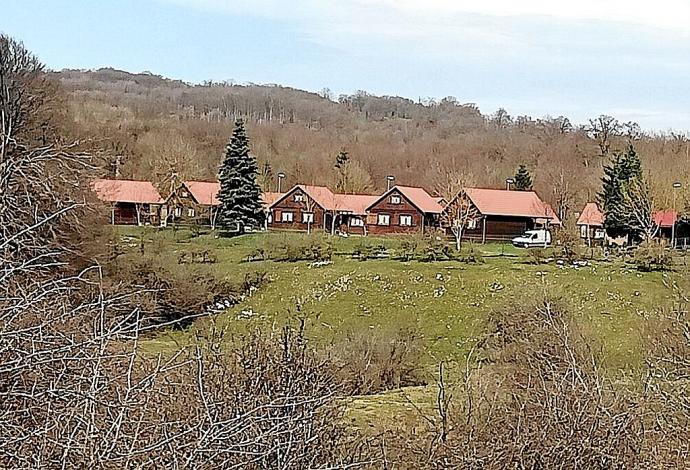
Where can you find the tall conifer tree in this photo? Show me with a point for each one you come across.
(240, 194)
(523, 180)
(625, 168)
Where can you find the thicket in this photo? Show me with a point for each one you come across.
(287, 247)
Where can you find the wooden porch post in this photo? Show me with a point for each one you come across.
(483, 230)
(589, 236)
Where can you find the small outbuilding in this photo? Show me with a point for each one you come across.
(499, 214)
(591, 224)
(132, 202)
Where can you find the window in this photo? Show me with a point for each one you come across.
(307, 217)
(299, 197)
(599, 234)
(395, 199)
(356, 222)
(286, 217)
(269, 219)
(190, 212)
(384, 219)
(406, 220)
(185, 194)
(583, 231)
(472, 224)
(178, 211)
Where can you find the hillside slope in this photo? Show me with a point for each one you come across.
(154, 127)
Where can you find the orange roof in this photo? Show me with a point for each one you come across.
(511, 204)
(204, 192)
(666, 218)
(418, 197)
(591, 215)
(354, 203)
(138, 192)
(330, 201)
(323, 196)
(269, 197)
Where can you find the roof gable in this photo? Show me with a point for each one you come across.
(418, 197)
(591, 215)
(204, 192)
(321, 195)
(137, 192)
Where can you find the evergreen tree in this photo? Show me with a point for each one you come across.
(523, 180)
(341, 165)
(626, 169)
(240, 194)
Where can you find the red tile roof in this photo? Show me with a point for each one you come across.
(354, 203)
(138, 192)
(502, 202)
(418, 197)
(269, 197)
(591, 215)
(666, 219)
(204, 192)
(330, 201)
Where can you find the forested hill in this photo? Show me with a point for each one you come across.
(156, 126)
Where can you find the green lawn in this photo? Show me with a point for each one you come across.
(447, 301)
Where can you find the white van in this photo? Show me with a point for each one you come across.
(533, 239)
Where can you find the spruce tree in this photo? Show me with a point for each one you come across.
(523, 180)
(618, 175)
(240, 194)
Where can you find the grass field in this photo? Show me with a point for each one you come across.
(447, 302)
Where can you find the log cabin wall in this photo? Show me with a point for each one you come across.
(184, 209)
(403, 216)
(499, 228)
(291, 204)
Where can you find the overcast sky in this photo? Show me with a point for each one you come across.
(630, 59)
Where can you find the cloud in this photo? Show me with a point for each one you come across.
(531, 56)
(670, 15)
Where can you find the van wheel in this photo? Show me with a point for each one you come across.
(526, 245)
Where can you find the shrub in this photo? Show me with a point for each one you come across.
(569, 244)
(652, 257)
(409, 248)
(539, 255)
(434, 248)
(469, 253)
(366, 250)
(368, 363)
(197, 257)
(288, 247)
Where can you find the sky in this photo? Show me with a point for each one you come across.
(628, 59)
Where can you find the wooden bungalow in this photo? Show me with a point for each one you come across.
(591, 224)
(306, 208)
(131, 202)
(196, 202)
(499, 214)
(404, 209)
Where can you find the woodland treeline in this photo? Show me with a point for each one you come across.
(152, 128)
